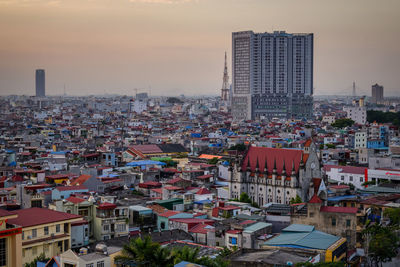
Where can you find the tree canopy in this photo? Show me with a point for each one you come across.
(145, 252)
(342, 123)
(383, 117)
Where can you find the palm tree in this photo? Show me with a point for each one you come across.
(144, 252)
(185, 254)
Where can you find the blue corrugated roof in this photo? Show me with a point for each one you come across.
(299, 235)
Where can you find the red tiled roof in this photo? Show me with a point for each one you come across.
(203, 191)
(147, 149)
(35, 216)
(107, 206)
(150, 184)
(234, 232)
(315, 200)
(338, 209)
(173, 188)
(169, 213)
(174, 181)
(70, 188)
(199, 228)
(81, 179)
(75, 200)
(346, 169)
(157, 190)
(207, 176)
(271, 155)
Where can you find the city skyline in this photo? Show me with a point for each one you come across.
(177, 47)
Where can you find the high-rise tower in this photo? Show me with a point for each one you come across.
(225, 83)
(40, 83)
(272, 75)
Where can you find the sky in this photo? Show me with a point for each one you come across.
(172, 47)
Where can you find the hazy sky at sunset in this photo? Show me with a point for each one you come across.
(177, 46)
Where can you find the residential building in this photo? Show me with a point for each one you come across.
(360, 140)
(339, 221)
(357, 114)
(44, 231)
(377, 94)
(272, 75)
(110, 221)
(10, 240)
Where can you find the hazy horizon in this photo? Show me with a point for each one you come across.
(173, 47)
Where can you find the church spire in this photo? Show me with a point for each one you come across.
(225, 82)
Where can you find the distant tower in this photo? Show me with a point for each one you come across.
(354, 89)
(225, 83)
(40, 83)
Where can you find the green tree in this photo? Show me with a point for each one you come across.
(213, 161)
(342, 123)
(382, 243)
(145, 252)
(393, 214)
(238, 147)
(296, 200)
(185, 254)
(244, 198)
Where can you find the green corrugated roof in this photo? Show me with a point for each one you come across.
(255, 227)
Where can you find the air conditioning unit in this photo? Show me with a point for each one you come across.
(52, 235)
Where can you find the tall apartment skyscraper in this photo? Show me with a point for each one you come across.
(40, 83)
(272, 75)
(377, 94)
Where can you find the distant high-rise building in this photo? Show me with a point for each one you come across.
(225, 83)
(40, 83)
(377, 94)
(272, 75)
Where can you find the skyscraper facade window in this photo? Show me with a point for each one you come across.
(272, 75)
(40, 83)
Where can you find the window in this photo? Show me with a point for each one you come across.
(351, 178)
(23, 235)
(348, 223)
(100, 264)
(58, 228)
(46, 230)
(106, 227)
(342, 178)
(162, 225)
(311, 214)
(3, 252)
(34, 233)
(90, 265)
(361, 179)
(333, 221)
(232, 240)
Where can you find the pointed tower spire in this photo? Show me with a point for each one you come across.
(301, 160)
(274, 170)
(248, 164)
(283, 168)
(225, 82)
(265, 166)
